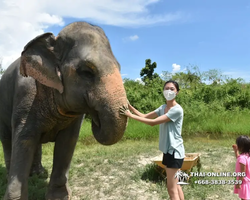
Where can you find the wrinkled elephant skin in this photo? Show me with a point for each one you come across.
(44, 96)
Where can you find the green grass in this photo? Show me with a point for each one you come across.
(125, 171)
(200, 123)
(223, 124)
(135, 130)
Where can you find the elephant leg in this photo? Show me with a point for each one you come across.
(23, 148)
(63, 152)
(37, 167)
(5, 137)
(7, 154)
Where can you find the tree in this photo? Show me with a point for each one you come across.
(1, 68)
(215, 76)
(190, 78)
(147, 73)
(166, 76)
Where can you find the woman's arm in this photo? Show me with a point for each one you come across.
(151, 122)
(150, 115)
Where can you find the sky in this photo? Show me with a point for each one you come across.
(210, 34)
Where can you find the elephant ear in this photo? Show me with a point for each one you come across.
(39, 61)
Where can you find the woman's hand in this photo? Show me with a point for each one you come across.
(125, 111)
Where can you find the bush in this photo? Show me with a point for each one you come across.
(207, 108)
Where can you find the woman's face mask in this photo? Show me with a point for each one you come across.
(169, 94)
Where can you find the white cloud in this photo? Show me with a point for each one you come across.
(139, 81)
(118, 13)
(134, 37)
(22, 21)
(176, 67)
(130, 38)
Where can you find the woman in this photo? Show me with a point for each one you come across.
(170, 118)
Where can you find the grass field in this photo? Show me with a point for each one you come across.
(125, 171)
(213, 124)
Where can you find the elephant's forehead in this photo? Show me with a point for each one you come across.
(91, 45)
(77, 28)
(85, 36)
(102, 61)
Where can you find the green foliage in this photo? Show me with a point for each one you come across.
(219, 109)
(214, 76)
(223, 93)
(147, 73)
(145, 97)
(208, 108)
(191, 78)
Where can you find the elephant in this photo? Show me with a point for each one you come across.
(45, 95)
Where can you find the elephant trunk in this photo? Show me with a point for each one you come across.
(108, 125)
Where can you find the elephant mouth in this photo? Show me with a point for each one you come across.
(68, 114)
(106, 128)
(96, 121)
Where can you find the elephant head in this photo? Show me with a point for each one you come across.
(80, 68)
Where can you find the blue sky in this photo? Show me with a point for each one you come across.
(175, 34)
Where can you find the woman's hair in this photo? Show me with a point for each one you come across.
(243, 143)
(175, 84)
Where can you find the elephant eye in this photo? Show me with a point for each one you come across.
(86, 69)
(85, 74)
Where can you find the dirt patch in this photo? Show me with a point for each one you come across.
(118, 183)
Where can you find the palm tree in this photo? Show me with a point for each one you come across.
(182, 177)
(179, 174)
